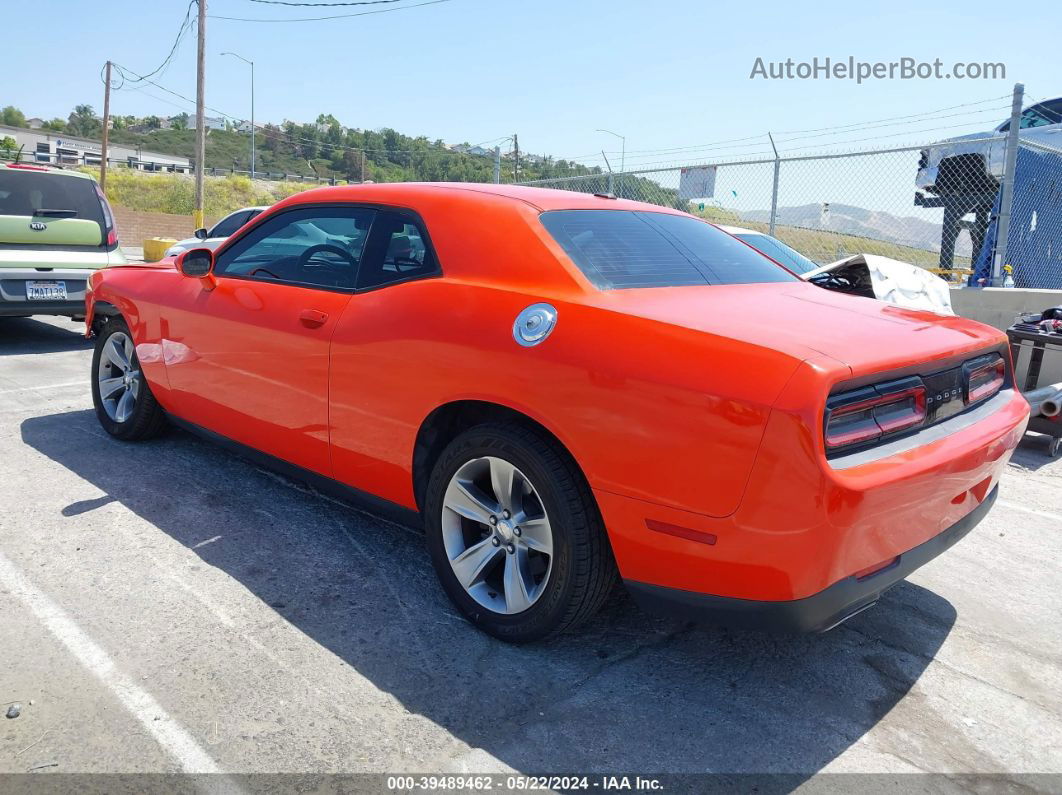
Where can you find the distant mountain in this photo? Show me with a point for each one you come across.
(844, 218)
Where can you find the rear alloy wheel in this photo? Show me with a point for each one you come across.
(497, 535)
(515, 535)
(124, 404)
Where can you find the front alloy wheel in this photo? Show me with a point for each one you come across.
(121, 394)
(117, 377)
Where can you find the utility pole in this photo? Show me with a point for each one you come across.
(106, 124)
(1006, 196)
(516, 158)
(497, 164)
(200, 120)
(362, 165)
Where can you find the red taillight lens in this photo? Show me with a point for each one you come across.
(111, 231)
(984, 379)
(868, 414)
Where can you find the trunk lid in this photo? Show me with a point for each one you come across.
(42, 230)
(803, 320)
(52, 218)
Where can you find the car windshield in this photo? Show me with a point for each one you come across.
(624, 249)
(778, 251)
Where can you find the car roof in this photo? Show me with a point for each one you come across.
(30, 168)
(540, 198)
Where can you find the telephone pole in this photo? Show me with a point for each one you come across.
(200, 120)
(516, 158)
(106, 124)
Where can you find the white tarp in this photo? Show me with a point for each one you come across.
(898, 282)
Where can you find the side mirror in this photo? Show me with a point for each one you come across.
(198, 263)
(202, 234)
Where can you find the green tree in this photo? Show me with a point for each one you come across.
(83, 121)
(153, 123)
(55, 125)
(179, 122)
(8, 144)
(12, 117)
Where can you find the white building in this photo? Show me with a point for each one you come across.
(210, 122)
(46, 146)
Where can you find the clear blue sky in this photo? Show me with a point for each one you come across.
(666, 73)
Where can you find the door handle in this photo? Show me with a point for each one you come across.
(313, 318)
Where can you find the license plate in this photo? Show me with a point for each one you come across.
(45, 291)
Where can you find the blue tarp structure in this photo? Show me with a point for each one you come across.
(1035, 244)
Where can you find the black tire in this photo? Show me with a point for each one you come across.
(147, 418)
(583, 571)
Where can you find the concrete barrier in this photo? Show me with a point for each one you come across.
(998, 307)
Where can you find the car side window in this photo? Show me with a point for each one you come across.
(228, 225)
(311, 246)
(398, 251)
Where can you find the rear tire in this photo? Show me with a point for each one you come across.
(509, 586)
(124, 404)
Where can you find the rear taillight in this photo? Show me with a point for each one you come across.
(866, 415)
(984, 378)
(111, 231)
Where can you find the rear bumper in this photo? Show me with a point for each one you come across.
(816, 613)
(13, 301)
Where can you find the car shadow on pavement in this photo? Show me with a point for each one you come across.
(628, 692)
(25, 335)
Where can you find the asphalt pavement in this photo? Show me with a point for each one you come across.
(167, 607)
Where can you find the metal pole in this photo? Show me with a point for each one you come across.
(106, 124)
(200, 115)
(623, 152)
(252, 119)
(774, 189)
(497, 165)
(1006, 199)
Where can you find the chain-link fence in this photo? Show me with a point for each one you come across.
(930, 205)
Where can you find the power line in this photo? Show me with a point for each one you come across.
(326, 5)
(184, 28)
(855, 126)
(693, 151)
(335, 16)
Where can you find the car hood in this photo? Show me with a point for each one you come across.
(803, 320)
(896, 282)
(194, 242)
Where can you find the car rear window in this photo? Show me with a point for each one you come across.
(778, 251)
(26, 192)
(623, 249)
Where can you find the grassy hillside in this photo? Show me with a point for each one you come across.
(388, 155)
(175, 193)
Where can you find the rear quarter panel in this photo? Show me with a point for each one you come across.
(651, 410)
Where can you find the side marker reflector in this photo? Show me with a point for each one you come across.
(681, 532)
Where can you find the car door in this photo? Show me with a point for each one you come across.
(248, 359)
(375, 381)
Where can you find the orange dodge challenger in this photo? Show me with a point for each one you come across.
(565, 389)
